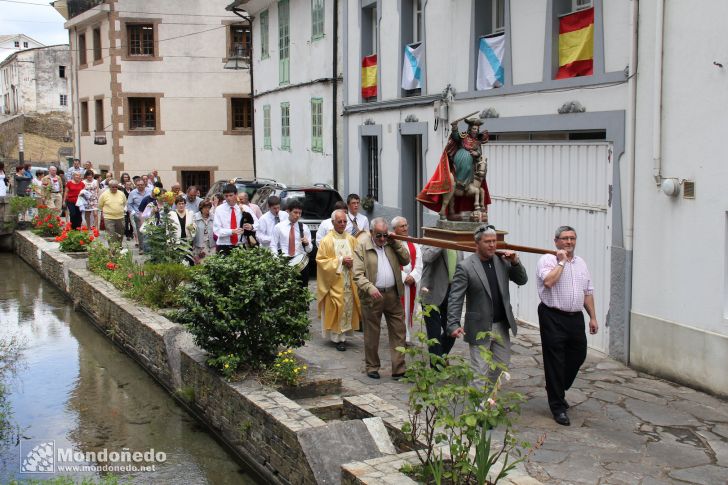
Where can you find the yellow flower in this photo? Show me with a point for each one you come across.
(226, 365)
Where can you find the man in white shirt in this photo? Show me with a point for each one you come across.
(326, 225)
(356, 222)
(77, 168)
(228, 222)
(291, 237)
(266, 224)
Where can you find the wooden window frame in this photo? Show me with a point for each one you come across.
(98, 53)
(193, 168)
(128, 22)
(82, 51)
(158, 115)
(98, 119)
(229, 108)
(247, 50)
(83, 117)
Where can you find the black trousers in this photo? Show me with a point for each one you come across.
(303, 277)
(74, 214)
(436, 325)
(563, 339)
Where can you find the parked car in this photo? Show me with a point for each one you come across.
(318, 204)
(250, 186)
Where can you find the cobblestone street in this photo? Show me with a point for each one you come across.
(626, 427)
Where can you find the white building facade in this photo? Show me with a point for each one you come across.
(35, 81)
(597, 152)
(12, 43)
(545, 169)
(151, 90)
(297, 73)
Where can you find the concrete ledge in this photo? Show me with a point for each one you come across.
(682, 354)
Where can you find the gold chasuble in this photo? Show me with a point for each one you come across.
(338, 301)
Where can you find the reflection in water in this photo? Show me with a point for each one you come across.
(76, 388)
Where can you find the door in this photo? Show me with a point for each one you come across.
(537, 187)
(411, 180)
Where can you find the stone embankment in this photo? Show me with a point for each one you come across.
(322, 438)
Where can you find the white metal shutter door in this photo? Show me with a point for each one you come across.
(537, 187)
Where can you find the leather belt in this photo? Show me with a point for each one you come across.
(557, 310)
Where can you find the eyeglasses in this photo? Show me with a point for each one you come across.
(380, 235)
(567, 238)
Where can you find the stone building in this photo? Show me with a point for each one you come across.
(35, 80)
(151, 91)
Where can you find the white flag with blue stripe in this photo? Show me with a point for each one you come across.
(411, 66)
(490, 62)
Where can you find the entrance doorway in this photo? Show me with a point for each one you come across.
(411, 164)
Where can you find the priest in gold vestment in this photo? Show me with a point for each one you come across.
(338, 300)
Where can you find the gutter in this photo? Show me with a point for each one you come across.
(234, 9)
(335, 97)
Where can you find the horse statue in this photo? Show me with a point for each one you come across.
(474, 189)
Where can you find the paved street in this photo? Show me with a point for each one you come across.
(626, 427)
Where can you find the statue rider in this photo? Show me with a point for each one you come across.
(464, 151)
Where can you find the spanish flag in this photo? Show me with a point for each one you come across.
(369, 77)
(576, 44)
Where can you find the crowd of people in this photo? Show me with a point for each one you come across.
(364, 272)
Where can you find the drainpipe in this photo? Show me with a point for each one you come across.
(247, 18)
(345, 97)
(335, 96)
(76, 104)
(632, 123)
(657, 94)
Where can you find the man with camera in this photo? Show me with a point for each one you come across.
(377, 274)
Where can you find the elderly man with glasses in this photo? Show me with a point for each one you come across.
(565, 288)
(483, 278)
(112, 205)
(377, 274)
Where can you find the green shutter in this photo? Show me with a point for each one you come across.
(285, 127)
(284, 42)
(266, 127)
(317, 19)
(317, 122)
(264, 35)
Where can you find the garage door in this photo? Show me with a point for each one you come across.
(537, 187)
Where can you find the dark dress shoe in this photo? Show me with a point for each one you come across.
(375, 375)
(397, 377)
(562, 419)
(341, 346)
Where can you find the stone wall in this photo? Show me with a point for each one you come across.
(9, 139)
(279, 439)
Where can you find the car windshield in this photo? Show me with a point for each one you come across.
(247, 188)
(317, 204)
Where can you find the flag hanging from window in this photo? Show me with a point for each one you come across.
(411, 66)
(490, 62)
(576, 44)
(369, 77)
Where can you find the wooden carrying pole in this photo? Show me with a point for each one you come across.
(440, 243)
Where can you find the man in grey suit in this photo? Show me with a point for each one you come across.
(438, 270)
(483, 279)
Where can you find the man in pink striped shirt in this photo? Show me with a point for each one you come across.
(565, 288)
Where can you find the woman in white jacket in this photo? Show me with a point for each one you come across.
(182, 220)
(204, 242)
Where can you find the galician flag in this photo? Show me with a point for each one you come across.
(490, 62)
(369, 77)
(576, 44)
(411, 66)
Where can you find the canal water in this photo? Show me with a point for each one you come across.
(73, 391)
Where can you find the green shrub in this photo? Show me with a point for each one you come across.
(247, 305)
(163, 246)
(447, 408)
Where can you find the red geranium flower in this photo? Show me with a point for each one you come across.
(81, 242)
(91, 238)
(110, 265)
(83, 228)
